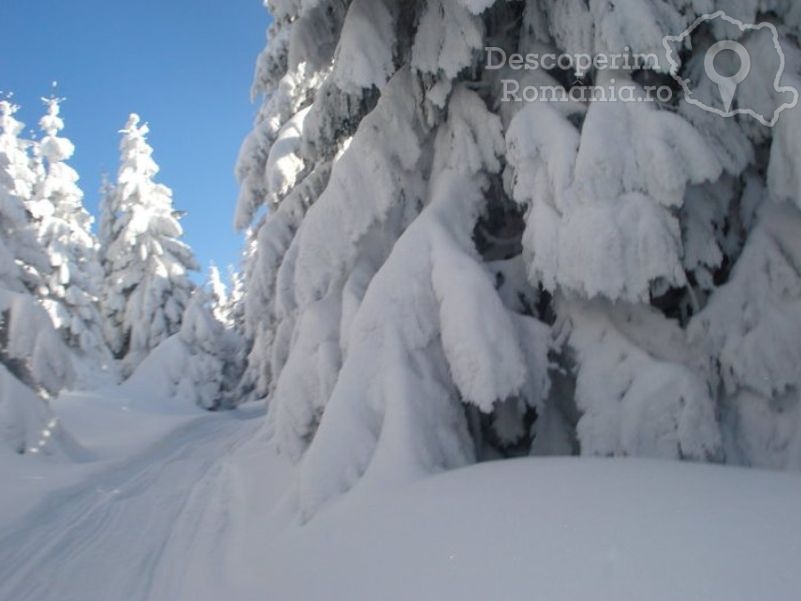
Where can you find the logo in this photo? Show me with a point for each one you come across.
(728, 65)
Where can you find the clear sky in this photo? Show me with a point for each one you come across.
(184, 65)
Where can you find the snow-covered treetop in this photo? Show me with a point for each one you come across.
(54, 148)
(58, 194)
(149, 203)
(137, 155)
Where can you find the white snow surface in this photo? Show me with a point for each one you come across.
(177, 504)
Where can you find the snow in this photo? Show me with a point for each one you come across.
(198, 365)
(365, 54)
(447, 40)
(433, 279)
(386, 181)
(639, 398)
(26, 422)
(614, 234)
(115, 524)
(557, 529)
(397, 408)
(74, 275)
(284, 166)
(21, 259)
(750, 329)
(596, 27)
(147, 286)
(108, 424)
(185, 505)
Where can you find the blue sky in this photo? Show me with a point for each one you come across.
(184, 65)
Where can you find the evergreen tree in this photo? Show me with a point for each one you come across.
(201, 378)
(63, 225)
(213, 367)
(32, 357)
(147, 288)
(202, 363)
(23, 259)
(442, 277)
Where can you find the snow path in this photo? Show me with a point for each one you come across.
(107, 538)
(206, 513)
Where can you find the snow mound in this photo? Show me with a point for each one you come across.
(27, 425)
(157, 384)
(556, 529)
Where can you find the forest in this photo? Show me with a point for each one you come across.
(517, 316)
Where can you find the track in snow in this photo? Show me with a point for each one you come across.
(128, 533)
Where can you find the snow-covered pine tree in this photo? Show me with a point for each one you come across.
(201, 379)
(63, 225)
(202, 363)
(147, 287)
(440, 276)
(25, 258)
(213, 366)
(32, 356)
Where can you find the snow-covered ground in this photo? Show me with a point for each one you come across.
(184, 505)
(555, 530)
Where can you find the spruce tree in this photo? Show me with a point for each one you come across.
(442, 277)
(147, 287)
(33, 361)
(212, 369)
(74, 276)
(24, 260)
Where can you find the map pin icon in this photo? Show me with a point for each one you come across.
(728, 85)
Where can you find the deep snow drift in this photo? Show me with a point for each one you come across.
(194, 506)
(553, 529)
